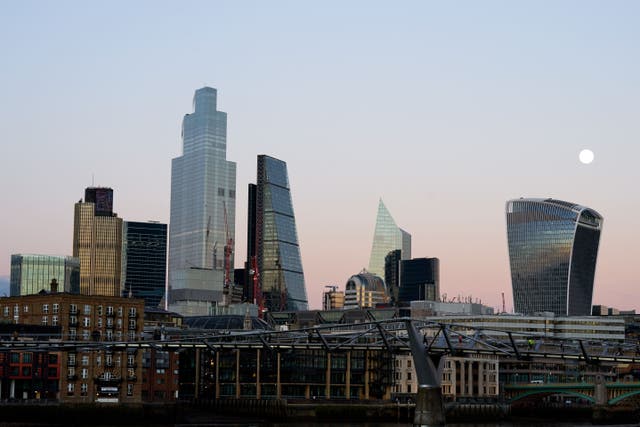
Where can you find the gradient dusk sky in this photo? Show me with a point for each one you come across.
(445, 110)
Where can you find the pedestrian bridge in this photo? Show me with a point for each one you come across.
(612, 393)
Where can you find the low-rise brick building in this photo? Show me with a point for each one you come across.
(88, 374)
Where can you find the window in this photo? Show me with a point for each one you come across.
(72, 334)
(87, 309)
(109, 335)
(85, 360)
(54, 320)
(83, 389)
(45, 320)
(25, 309)
(98, 360)
(132, 323)
(109, 310)
(73, 320)
(16, 310)
(220, 191)
(132, 336)
(408, 363)
(70, 388)
(45, 308)
(73, 309)
(120, 311)
(84, 373)
(132, 311)
(72, 359)
(56, 308)
(109, 323)
(6, 311)
(86, 322)
(119, 323)
(85, 334)
(129, 389)
(131, 359)
(99, 310)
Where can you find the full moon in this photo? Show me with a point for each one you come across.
(586, 156)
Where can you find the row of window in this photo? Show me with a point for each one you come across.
(73, 309)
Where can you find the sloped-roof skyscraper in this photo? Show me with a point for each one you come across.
(273, 240)
(386, 238)
(553, 247)
(203, 202)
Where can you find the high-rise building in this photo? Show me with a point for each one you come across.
(387, 237)
(203, 203)
(419, 280)
(276, 252)
(553, 246)
(97, 242)
(144, 261)
(31, 273)
(392, 274)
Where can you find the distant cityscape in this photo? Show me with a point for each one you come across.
(128, 283)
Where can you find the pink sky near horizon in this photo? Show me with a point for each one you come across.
(443, 111)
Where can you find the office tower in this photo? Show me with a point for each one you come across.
(275, 255)
(203, 203)
(419, 280)
(553, 246)
(97, 242)
(144, 261)
(365, 290)
(392, 274)
(387, 237)
(32, 273)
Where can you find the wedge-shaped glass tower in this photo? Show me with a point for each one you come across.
(387, 237)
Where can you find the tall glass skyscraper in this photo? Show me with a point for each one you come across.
(553, 247)
(203, 203)
(32, 273)
(276, 248)
(144, 261)
(387, 237)
(97, 242)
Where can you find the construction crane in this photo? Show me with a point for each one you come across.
(228, 250)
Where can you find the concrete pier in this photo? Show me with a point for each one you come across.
(429, 407)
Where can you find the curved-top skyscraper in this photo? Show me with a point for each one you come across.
(553, 247)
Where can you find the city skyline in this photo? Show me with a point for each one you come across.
(443, 111)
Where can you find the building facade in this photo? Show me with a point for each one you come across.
(365, 290)
(144, 261)
(88, 374)
(32, 273)
(332, 299)
(277, 259)
(553, 247)
(203, 203)
(97, 242)
(386, 238)
(419, 280)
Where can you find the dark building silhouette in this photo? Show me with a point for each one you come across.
(145, 261)
(553, 247)
(392, 274)
(419, 280)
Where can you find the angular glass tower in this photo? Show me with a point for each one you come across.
(144, 261)
(277, 252)
(387, 237)
(203, 202)
(553, 247)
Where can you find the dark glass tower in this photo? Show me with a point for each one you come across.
(419, 280)
(553, 247)
(144, 261)
(274, 243)
(392, 274)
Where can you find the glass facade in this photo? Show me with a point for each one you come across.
(277, 249)
(97, 242)
(144, 261)
(32, 273)
(387, 237)
(553, 246)
(203, 193)
(419, 280)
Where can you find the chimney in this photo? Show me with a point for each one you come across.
(54, 286)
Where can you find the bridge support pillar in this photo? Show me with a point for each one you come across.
(600, 391)
(429, 407)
